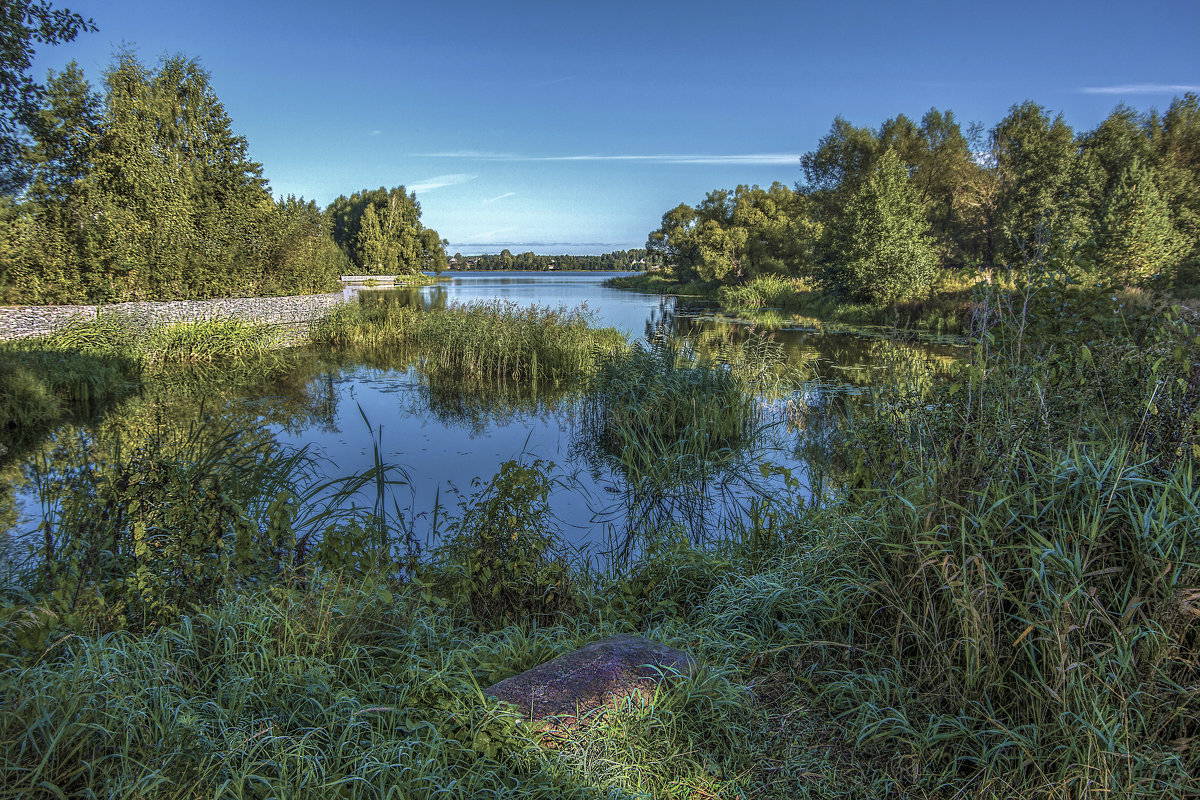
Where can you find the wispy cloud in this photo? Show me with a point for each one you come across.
(657, 158)
(441, 181)
(375, 132)
(486, 237)
(1142, 88)
(498, 197)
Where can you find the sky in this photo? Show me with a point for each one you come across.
(571, 127)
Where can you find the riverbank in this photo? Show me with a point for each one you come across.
(952, 616)
(946, 312)
(25, 322)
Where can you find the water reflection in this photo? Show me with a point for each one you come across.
(353, 408)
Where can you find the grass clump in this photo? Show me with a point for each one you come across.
(661, 399)
(676, 421)
(660, 283)
(491, 342)
(502, 559)
(945, 311)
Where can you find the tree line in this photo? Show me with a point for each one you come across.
(144, 191)
(505, 260)
(880, 210)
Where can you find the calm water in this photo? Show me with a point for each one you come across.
(350, 413)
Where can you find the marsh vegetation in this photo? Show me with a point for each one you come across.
(993, 592)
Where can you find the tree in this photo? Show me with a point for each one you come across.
(842, 161)
(23, 23)
(380, 229)
(880, 250)
(736, 235)
(1137, 241)
(1177, 149)
(176, 202)
(1037, 202)
(64, 131)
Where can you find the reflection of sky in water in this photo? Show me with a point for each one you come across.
(441, 455)
(444, 442)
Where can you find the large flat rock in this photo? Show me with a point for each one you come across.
(599, 674)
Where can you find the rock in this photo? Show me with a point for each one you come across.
(599, 674)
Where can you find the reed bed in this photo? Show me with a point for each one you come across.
(492, 342)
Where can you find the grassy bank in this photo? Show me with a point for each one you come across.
(87, 366)
(946, 311)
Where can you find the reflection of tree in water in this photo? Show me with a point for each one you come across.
(169, 407)
(479, 408)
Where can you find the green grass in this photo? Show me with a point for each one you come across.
(946, 311)
(1000, 601)
(86, 367)
(661, 283)
(483, 343)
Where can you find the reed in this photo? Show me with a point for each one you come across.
(87, 366)
(480, 343)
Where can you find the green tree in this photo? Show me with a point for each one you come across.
(381, 231)
(842, 161)
(731, 236)
(1037, 202)
(1176, 143)
(150, 194)
(177, 203)
(1137, 240)
(22, 24)
(880, 250)
(64, 131)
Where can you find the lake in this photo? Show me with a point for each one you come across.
(353, 412)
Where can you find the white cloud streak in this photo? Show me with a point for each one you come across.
(660, 158)
(485, 237)
(441, 181)
(499, 197)
(1142, 88)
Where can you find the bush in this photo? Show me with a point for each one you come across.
(502, 559)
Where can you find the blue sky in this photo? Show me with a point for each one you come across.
(571, 127)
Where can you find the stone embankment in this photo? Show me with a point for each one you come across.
(20, 322)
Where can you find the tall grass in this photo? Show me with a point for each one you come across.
(86, 366)
(159, 346)
(945, 311)
(1028, 579)
(492, 342)
(678, 422)
(1001, 602)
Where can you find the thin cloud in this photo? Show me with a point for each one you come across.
(375, 132)
(667, 158)
(499, 197)
(482, 238)
(441, 181)
(658, 158)
(1142, 88)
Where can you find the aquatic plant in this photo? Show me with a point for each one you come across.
(492, 342)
